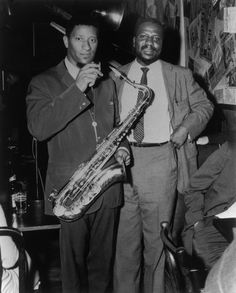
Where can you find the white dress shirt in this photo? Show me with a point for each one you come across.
(157, 127)
(72, 69)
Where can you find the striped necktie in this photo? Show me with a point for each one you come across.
(139, 128)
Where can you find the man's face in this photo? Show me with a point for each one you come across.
(148, 43)
(82, 44)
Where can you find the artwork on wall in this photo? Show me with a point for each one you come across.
(211, 50)
(166, 11)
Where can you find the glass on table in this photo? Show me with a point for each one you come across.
(21, 203)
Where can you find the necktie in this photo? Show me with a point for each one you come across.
(139, 128)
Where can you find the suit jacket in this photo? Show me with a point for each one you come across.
(188, 107)
(212, 188)
(58, 112)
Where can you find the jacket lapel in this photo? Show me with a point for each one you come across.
(120, 82)
(170, 84)
(65, 75)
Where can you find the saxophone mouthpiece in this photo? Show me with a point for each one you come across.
(118, 73)
(121, 74)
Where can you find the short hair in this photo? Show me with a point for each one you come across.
(82, 20)
(142, 20)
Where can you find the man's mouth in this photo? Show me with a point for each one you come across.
(85, 55)
(148, 50)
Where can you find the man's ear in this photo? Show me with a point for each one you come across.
(134, 42)
(65, 40)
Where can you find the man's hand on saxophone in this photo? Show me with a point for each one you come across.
(122, 156)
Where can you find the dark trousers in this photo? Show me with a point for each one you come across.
(87, 248)
(208, 244)
(178, 219)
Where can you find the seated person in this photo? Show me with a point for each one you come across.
(9, 256)
(211, 193)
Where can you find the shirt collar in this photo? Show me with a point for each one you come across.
(156, 64)
(72, 69)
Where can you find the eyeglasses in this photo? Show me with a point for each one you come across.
(154, 39)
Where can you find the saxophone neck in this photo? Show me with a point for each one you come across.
(122, 75)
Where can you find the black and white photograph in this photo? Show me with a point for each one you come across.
(117, 146)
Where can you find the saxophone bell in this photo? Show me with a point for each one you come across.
(73, 203)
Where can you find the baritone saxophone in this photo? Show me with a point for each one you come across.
(91, 178)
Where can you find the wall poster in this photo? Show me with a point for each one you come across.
(211, 50)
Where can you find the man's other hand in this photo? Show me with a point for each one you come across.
(179, 136)
(123, 156)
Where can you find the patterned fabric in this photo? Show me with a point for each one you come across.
(139, 129)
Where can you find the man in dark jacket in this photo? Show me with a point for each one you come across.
(73, 107)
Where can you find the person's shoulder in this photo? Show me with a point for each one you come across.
(48, 74)
(174, 67)
(126, 66)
